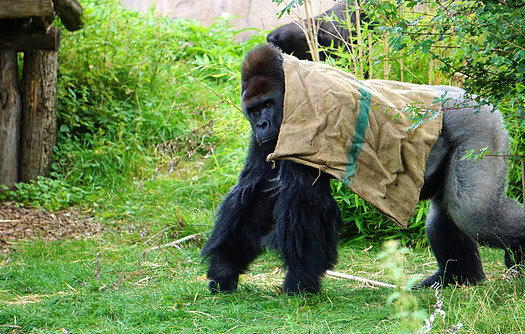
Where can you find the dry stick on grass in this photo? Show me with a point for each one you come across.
(172, 244)
(328, 272)
(359, 279)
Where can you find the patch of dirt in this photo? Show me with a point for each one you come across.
(22, 223)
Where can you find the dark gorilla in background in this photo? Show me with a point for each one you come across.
(290, 207)
(290, 37)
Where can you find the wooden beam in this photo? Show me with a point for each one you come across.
(15, 9)
(30, 40)
(70, 13)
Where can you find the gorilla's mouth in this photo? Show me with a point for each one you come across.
(266, 140)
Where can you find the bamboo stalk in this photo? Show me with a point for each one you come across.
(349, 26)
(370, 67)
(312, 32)
(402, 67)
(385, 53)
(359, 41)
(431, 64)
(430, 71)
(523, 180)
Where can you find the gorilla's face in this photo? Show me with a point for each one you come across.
(262, 104)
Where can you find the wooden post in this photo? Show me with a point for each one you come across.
(38, 137)
(10, 113)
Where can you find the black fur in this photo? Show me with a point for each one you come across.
(289, 207)
(291, 40)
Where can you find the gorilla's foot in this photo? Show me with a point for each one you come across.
(444, 279)
(515, 258)
(225, 284)
(293, 285)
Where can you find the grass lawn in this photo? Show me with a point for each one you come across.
(109, 284)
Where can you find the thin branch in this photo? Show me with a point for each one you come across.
(359, 279)
(172, 244)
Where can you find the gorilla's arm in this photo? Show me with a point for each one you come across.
(243, 218)
(307, 226)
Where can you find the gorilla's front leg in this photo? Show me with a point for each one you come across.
(307, 226)
(457, 253)
(243, 219)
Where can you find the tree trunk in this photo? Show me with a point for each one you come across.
(10, 113)
(38, 113)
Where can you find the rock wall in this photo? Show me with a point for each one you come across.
(260, 14)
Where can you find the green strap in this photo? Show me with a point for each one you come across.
(361, 124)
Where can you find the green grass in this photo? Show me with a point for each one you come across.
(107, 285)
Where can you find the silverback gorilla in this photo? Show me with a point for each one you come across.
(291, 40)
(289, 207)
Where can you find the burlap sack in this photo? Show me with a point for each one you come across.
(356, 131)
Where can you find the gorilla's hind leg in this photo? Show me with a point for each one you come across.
(457, 253)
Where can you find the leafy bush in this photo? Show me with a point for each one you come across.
(123, 88)
(47, 193)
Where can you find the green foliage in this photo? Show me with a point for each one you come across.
(404, 303)
(362, 221)
(483, 40)
(124, 87)
(47, 193)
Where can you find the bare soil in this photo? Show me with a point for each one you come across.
(26, 223)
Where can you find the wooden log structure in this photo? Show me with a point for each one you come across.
(10, 114)
(38, 135)
(25, 40)
(28, 108)
(15, 9)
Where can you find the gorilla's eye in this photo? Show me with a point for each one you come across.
(268, 104)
